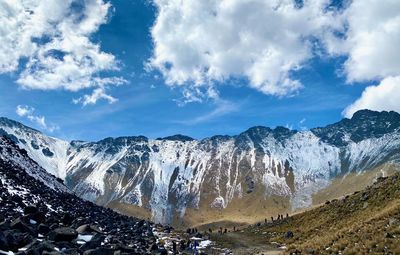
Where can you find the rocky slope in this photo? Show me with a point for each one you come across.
(39, 215)
(175, 176)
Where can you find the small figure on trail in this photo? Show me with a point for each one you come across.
(174, 247)
(234, 228)
(265, 220)
(225, 231)
(210, 230)
(272, 218)
(182, 245)
(289, 234)
(287, 215)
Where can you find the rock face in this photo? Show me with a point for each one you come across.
(169, 175)
(38, 215)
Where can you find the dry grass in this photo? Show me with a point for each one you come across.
(365, 222)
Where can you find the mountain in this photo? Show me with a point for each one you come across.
(183, 181)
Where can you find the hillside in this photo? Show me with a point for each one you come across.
(362, 223)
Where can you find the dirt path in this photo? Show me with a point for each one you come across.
(240, 243)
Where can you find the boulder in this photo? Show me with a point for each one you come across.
(63, 234)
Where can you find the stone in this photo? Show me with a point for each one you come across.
(63, 234)
(30, 209)
(20, 225)
(100, 251)
(43, 229)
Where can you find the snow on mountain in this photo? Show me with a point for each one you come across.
(12, 154)
(48, 152)
(169, 175)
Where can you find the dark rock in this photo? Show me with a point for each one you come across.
(95, 242)
(20, 225)
(43, 229)
(87, 228)
(63, 234)
(67, 218)
(30, 209)
(3, 242)
(100, 251)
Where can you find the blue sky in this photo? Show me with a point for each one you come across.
(148, 104)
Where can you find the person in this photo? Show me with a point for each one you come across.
(210, 230)
(272, 218)
(174, 247)
(225, 231)
(234, 228)
(182, 245)
(287, 215)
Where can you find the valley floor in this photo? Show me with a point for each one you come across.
(241, 244)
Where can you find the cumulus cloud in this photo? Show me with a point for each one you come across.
(28, 112)
(48, 43)
(370, 40)
(200, 42)
(383, 97)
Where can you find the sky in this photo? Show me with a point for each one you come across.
(90, 69)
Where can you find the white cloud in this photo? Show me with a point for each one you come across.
(199, 42)
(371, 41)
(97, 94)
(54, 37)
(383, 97)
(28, 112)
(23, 110)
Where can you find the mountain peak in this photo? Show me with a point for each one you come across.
(177, 137)
(363, 125)
(15, 124)
(375, 115)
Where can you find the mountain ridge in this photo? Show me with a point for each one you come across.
(278, 130)
(175, 176)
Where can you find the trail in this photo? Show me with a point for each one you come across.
(240, 243)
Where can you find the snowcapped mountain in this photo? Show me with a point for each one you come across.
(169, 176)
